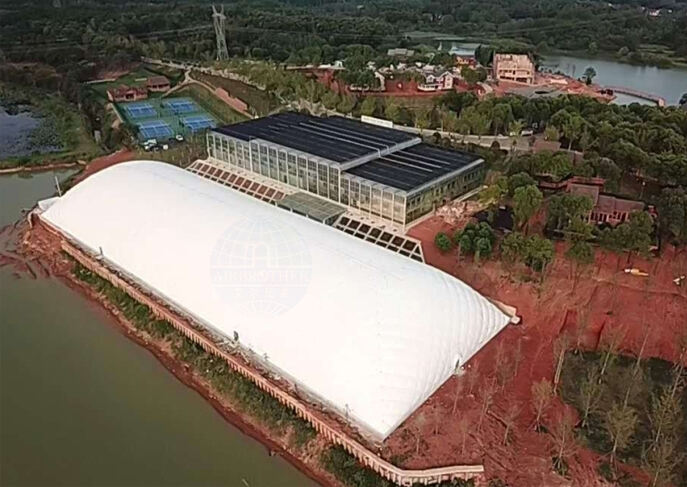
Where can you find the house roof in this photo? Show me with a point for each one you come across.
(157, 80)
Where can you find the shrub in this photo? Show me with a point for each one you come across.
(443, 242)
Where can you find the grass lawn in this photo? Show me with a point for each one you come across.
(259, 101)
(137, 77)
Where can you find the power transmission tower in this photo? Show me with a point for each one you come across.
(218, 19)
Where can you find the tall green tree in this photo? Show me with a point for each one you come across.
(526, 202)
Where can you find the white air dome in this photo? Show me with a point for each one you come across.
(367, 331)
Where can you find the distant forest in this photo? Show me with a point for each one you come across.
(67, 31)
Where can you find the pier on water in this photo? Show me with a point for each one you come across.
(659, 100)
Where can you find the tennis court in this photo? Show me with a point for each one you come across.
(182, 105)
(198, 122)
(155, 129)
(164, 118)
(138, 110)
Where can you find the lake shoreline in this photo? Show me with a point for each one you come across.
(40, 168)
(245, 423)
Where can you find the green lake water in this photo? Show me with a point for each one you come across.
(82, 405)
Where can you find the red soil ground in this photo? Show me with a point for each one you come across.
(122, 155)
(604, 297)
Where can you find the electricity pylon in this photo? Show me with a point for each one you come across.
(218, 19)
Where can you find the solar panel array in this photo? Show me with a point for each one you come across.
(155, 129)
(335, 138)
(410, 168)
(198, 122)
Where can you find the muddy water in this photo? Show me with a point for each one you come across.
(82, 405)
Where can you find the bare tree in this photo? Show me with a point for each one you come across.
(457, 393)
(473, 378)
(679, 367)
(661, 460)
(615, 338)
(436, 419)
(581, 328)
(418, 425)
(509, 418)
(517, 356)
(563, 437)
(487, 397)
(542, 392)
(463, 429)
(590, 392)
(664, 414)
(559, 347)
(620, 423)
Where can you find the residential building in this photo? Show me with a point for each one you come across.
(127, 93)
(513, 67)
(158, 84)
(607, 209)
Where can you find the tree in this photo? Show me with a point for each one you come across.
(475, 238)
(551, 133)
(486, 398)
(672, 211)
(501, 118)
(526, 202)
(443, 242)
(418, 425)
(664, 415)
(560, 348)
(590, 393)
(463, 427)
(620, 423)
(589, 75)
(330, 100)
(470, 76)
(633, 235)
(346, 104)
(615, 337)
(519, 180)
(542, 392)
(578, 233)
(369, 106)
(563, 208)
(511, 414)
(496, 191)
(563, 437)
(392, 111)
(422, 118)
(661, 461)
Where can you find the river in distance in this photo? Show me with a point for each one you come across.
(670, 83)
(82, 405)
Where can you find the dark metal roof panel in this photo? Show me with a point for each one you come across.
(413, 167)
(335, 138)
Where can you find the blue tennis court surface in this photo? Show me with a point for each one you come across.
(198, 122)
(155, 129)
(140, 110)
(182, 106)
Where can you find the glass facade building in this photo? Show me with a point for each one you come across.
(397, 186)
